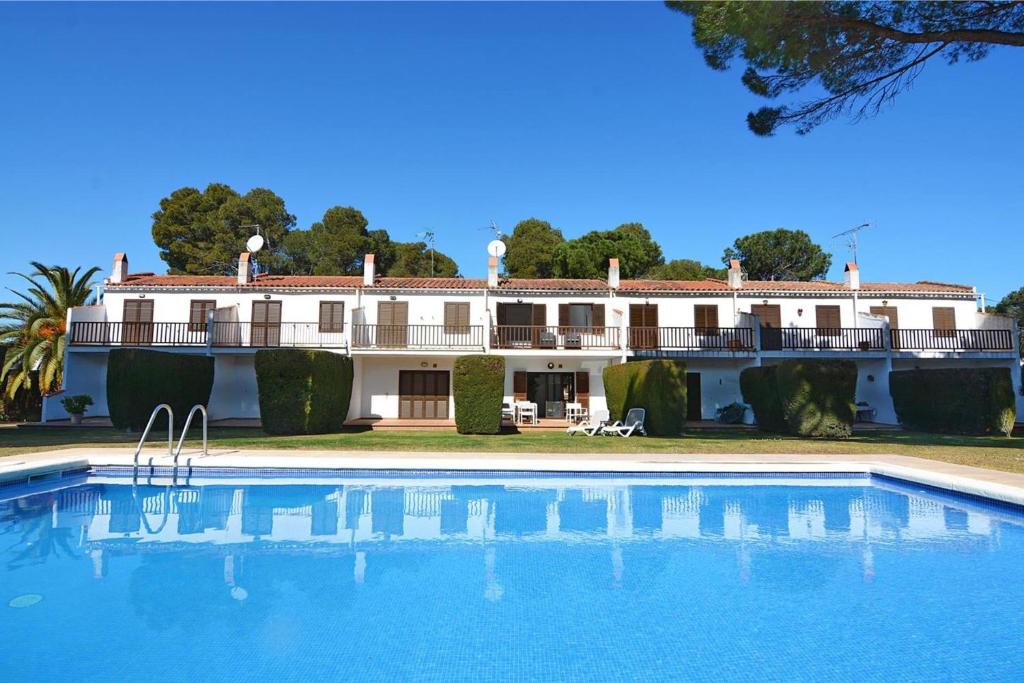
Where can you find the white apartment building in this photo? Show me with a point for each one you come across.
(556, 336)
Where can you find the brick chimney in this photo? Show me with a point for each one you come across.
(735, 274)
(120, 271)
(369, 270)
(613, 273)
(244, 268)
(851, 276)
(492, 272)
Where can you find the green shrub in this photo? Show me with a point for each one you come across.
(658, 386)
(478, 384)
(803, 397)
(138, 380)
(954, 400)
(303, 392)
(761, 390)
(77, 404)
(818, 396)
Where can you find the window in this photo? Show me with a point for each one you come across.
(456, 318)
(944, 321)
(197, 312)
(332, 316)
(581, 315)
(827, 320)
(705, 319)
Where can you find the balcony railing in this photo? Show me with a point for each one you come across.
(137, 334)
(223, 335)
(417, 336)
(554, 337)
(822, 339)
(692, 338)
(951, 340)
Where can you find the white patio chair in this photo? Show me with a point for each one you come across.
(589, 426)
(575, 412)
(508, 412)
(634, 422)
(527, 411)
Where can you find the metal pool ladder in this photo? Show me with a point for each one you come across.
(188, 423)
(171, 451)
(145, 434)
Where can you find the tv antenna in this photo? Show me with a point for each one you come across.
(849, 237)
(430, 238)
(493, 227)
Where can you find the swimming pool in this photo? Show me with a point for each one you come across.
(387, 576)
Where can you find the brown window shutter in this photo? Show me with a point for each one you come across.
(637, 315)
(583, 389)
(599, 317)
(943, 318)
(501, 314)
(519, 385)
(325, 316)
(401, 312)
(888, 312)
(450, 315)
(464, 318)
(540, 315)
(944, 321)
(563, 315)
(705, 316)
(827, 317)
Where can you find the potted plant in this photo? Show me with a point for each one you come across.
(75, 406)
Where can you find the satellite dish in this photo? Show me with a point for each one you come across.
(496, 248)
(254, 244)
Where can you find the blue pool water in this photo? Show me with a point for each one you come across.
(376, 577)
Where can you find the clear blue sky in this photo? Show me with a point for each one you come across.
(448, 116)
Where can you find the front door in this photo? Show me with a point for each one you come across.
(551, 391)
(693, 409)
(266, 323)
(771, 325)
(423, 394)
(643, 326)
(393, 323)
(137, 322)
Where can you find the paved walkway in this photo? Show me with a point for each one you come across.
(1005, 486)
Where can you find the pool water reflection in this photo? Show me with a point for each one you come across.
(488, 578)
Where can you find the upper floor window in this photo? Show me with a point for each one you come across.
(827, 319)
(944, 321)
(589, 317)
(332, 316)
(456, 317)
(198, 310)
(705, 318)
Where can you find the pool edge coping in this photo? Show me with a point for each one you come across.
(963, 479)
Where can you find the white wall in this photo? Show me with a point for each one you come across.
(378, 383)
(235, 393)
(719, 383)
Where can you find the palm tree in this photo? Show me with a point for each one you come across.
(34, 328)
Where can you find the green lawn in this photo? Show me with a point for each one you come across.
(993, 452)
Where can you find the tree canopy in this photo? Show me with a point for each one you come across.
(531, 249)
(201, 232)
(860, 55)
(779, 254)
(587, 256)
(1012, 306)
(686, 269)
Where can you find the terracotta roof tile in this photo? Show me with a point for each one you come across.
(553, 285)
(514, 284)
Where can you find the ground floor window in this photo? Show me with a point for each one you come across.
(423, 394)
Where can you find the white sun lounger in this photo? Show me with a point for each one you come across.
(634, 423)
(590, 426)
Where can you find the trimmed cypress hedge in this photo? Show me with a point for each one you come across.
(954, 400)
(803, 397)
(658, 386)
(478, 384)
(138, 380)
(819, 396)
(761, 390)
(303, 392)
